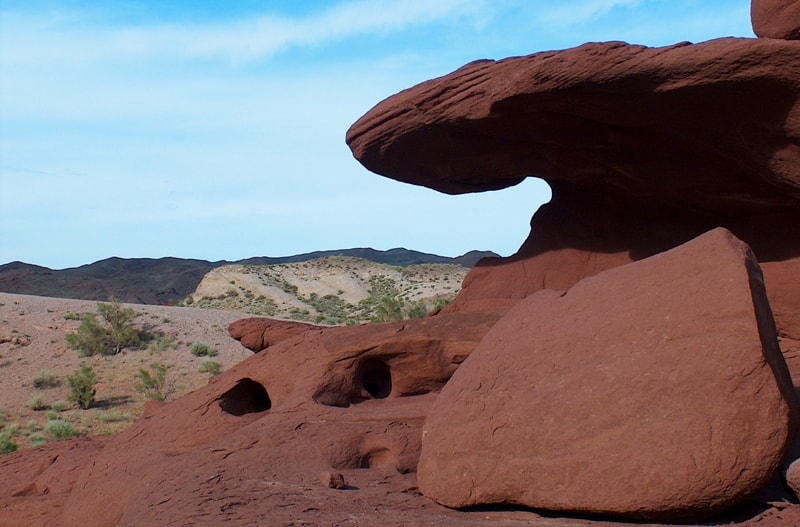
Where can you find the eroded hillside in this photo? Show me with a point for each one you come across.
(332, 290)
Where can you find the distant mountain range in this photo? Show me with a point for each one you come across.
(170, 280)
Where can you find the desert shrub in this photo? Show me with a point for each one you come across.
(153, 384)
(37, 439)
(69, 315)
(115, 417)
(416, 310)
(121, 330)
(44, 380)
(58, 406)
(11, 429)
(201, 349)
(60, 429)
(441, 302)
(36, 403)
(33, 425)
(90, 338)
(7, 445)
(110, 337)
(81, 385)
(210, 366)
(164, 342)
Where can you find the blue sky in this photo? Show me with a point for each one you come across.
(215, 130)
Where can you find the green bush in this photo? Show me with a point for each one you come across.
(36, 403)
(153, 384)
(201, 349)
(7, 445)
(210, 366)
(60, 429)
(81, 386)
(37, 439)
(44, 380)
(91, 337)
(69, 315)
(58, 406)
(109, 337)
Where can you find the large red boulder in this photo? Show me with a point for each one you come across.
(654, 390)
(776, 18)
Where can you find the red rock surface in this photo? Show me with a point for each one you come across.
(654, 390)
(776, 18)
(644, 149)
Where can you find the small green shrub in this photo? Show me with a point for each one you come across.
(58, 406)
(60, 429)
(153, 384)
(201, 349)
(36, 403)
(115, 417)
(90, 338)
(12, 429)
(33, 425)
(210, 366)
(69, 315)
(37, 439)
(81, 386)
(44, 380)
(7, 445)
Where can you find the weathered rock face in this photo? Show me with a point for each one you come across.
(776, 18)
(654, 390)
(644, 149)
(343, 399)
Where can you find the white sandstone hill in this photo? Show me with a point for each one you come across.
(330, 290)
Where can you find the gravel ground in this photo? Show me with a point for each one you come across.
(32, 341)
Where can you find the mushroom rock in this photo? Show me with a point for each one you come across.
(643, 148)
(655, 390)
(776, 18)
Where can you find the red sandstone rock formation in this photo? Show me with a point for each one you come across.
(776, 18)
(644, 149)
(654, 390)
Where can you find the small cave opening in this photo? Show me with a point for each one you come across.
(246, 397)
(376, 378)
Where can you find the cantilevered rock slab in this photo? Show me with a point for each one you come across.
(653, 390)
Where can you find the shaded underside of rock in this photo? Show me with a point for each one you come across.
(653, 390)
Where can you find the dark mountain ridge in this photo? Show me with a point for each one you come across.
(169, 280)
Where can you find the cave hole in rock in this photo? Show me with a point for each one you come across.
(376, 378)
(246, 397)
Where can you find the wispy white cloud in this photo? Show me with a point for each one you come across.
(69, 36)
(581, 11)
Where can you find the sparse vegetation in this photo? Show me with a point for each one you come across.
(109, 337)
(7, 445)
(81, 385)
(210, 366)
(45, 380)
(201, 349)
(60, 429)
(37, 439)
(36, 403)
(153, 382)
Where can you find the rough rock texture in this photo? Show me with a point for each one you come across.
(644, 149)
(654, 390)
(259, 333)
(346, 399)
(776, 18)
